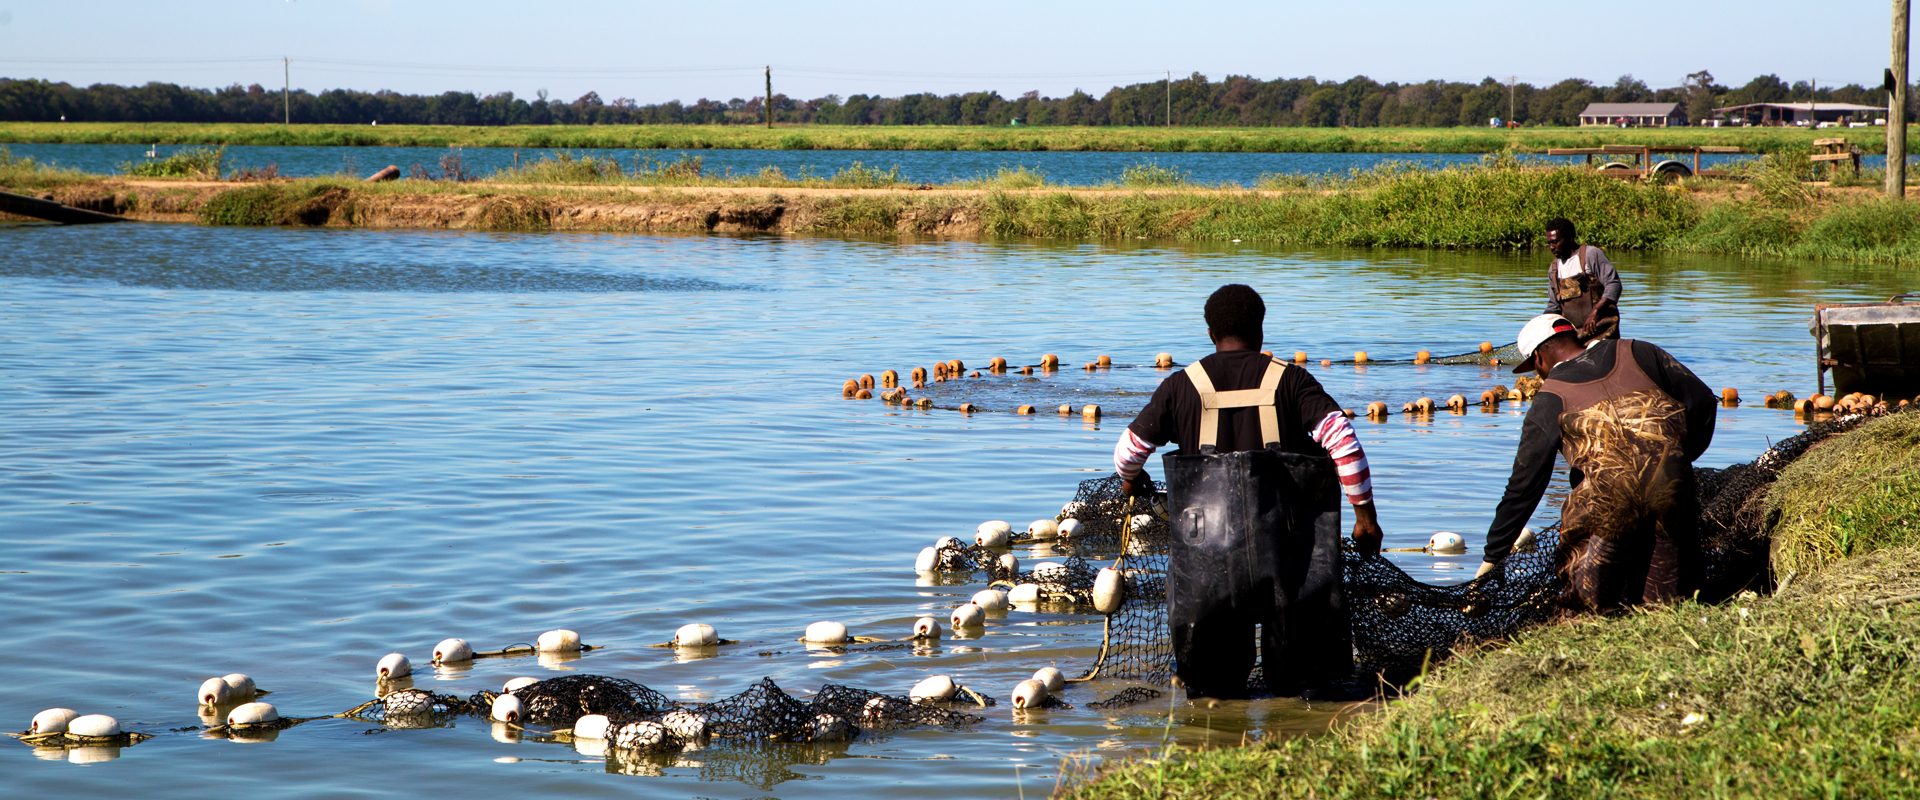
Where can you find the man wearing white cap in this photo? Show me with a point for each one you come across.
(1630, 419)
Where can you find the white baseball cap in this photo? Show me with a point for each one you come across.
(1537, 331)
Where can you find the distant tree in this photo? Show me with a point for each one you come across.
(1700, 96)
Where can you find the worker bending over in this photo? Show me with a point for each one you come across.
(1253, 499)
(1630, 420)
(1582, 284)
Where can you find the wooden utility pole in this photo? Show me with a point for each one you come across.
(1169, 98)
(1897, 104)
(286, 89)
(769, 96)
(1510, 81)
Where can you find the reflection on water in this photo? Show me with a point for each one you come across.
(407, 436)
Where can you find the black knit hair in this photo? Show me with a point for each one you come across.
(1236, 310)
(1564, 226)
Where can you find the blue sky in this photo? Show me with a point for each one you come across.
(653, 52)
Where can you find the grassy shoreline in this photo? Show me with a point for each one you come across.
(1805, 693)
(828, 137)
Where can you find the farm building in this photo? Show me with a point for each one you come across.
(1637, 115)
(1799, 113)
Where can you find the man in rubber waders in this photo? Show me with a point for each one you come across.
(1582, 285)
(1630, 419)
(1253, 498)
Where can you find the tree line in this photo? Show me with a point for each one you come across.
(1237, 101)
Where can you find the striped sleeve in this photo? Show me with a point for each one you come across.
(1130, 454)
(1336, 435)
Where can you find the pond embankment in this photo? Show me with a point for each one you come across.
(1808, 692)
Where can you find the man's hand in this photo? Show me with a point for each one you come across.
(1366, 529)
(1486, 567)
(1137, 486)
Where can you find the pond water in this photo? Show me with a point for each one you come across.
(916, 166)
(287, 452)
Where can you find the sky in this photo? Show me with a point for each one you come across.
(654, 52)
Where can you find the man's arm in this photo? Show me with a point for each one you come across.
(1336, 434)
(1603, 271)
(1532, 471)
(1148, 431)
(1553, 291)
(1130, 460)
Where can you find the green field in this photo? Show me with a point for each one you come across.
(1113, 139)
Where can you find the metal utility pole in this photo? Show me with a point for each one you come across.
(286, 89)
(769, 96)
(1169, 98)
(1897, 104)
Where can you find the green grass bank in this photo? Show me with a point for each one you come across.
(825, 137)
(1807, 693)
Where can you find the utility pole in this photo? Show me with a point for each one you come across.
(769, 96)
(1169, 98)
(286, 89)
(1897, 104)
(1510, 81)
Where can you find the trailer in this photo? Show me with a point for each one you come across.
(1642, 165)
(1872, 348)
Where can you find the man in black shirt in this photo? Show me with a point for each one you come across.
(1630, 419)
(1256, 540)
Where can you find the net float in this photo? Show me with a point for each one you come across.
(1493, 362)
(825, 632)
(1049, 362)
(696, 634)
(1326, 362)
(1376, 410)
(1422, 357)
(451, 650)
(1163, 360)
(1488, 398)
(516, 684)
(967, 615)
(1821, 402)
(215, 692)
(993, 533)
(1027, 370)
(866, 381)
(1524, 543)
(394, 665)
(1360, 357)
(1514, 395)
(998, 364)
(1447, 543)
(1024, 410)
(1049, 570)
(1299, 356)
(926, 628)
(1730, 396)
(955, 367)
(847, 389)
(1423, 405)
(52, 720)
(1393, 604)
(919, 374)
(1065, 409)
(1486, 347)
(1090, 366)
(591, 726)
(1051, 677)
(938, 688)
(1068, 528)
(939, 369)
(863, 394)
(1406, 408)
(927, 561)
(1109, 590)
(967, 408)
(644, 735)
(974, 374)
(94, 725)
(1025, 594)
(889, 379)
(1457, 403)
(1104, 361)
(1043, 529)
(1090, 412)
(1267, 353)
(241, 685)
(1008, 564)
(687, 726)
(1348, 413)
(1029, 694)
(558, 641)
(258, 714)
(990, 600)
(945, 542)
(923, 403)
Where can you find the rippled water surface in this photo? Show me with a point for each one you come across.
(288, 452)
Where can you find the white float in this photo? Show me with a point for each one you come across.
(253, 714)
(94, 725)
(52, 720)
(451, 650)
(1029, 694)
(928, 560)
(517, 684)
(1044, 529)
(591, 726)
(685, 725)
(825, 632)
(394, 665)
(1025, 594)
(1050, 677)
(990, 600)
(558, 641)
(215, 692)
(938, 688)
(1069, 528)
(926, 628)
(993, 533)
(967, 616)
(1109, 590)
(696, 634)
(1447, 543)
(240, 685)
(507, 708)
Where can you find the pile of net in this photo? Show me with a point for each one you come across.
(641, 719)
(1400, 625)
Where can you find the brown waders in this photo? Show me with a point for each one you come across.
(1628, 529)
(1578, 295)
(1256, 542)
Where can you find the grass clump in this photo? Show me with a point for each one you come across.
(1855, 494)
(1005, 178)
(1807, 694)
(200, 163)
(1151, 175)
(22, 172)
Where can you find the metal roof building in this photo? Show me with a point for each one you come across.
(1797, 113)
(1639, 115)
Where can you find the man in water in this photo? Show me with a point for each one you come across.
(1630, 419)
(1306, 643)
(1581, 284)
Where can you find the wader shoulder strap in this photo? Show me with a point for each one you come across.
(1212, 401)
